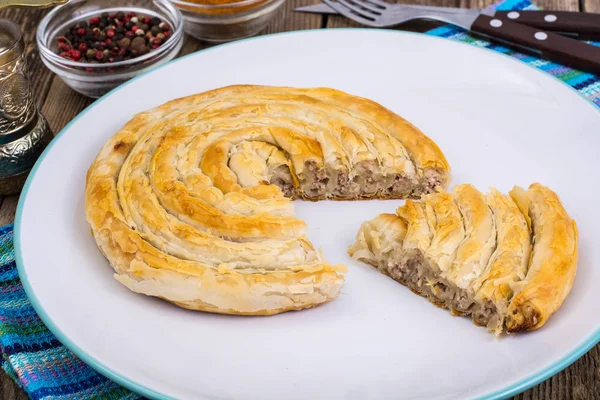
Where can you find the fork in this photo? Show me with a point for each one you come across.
(560, 49)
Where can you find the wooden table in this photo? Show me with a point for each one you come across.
(60, 104)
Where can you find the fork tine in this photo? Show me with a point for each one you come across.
(381, 4)
(366, 4)
(349, 11)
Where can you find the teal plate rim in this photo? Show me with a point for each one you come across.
(508, 391)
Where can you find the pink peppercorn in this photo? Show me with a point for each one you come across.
(75, 55)
(110, 33)
(82, 47)
(94, 21)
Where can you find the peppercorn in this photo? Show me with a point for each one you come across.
(112, 37)
(138, 46)
(75, 55)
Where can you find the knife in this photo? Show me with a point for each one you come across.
(581, 25)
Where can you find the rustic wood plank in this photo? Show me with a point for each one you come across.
(9, 389)
(288, 20)
(8, 209)
(590, 5)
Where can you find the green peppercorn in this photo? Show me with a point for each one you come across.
(90, 53)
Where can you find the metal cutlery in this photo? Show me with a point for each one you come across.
(582, 25)
(550, 46)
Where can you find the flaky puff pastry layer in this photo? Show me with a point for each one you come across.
(191, 201)
(507, 261)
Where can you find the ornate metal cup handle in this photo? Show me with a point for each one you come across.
(31, 3)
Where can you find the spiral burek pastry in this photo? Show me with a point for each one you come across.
(191, 201)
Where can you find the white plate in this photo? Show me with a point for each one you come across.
(498, 121)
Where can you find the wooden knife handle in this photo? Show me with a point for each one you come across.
(583, 25)
(550, 46)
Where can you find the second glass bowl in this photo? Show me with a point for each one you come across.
(224, 21)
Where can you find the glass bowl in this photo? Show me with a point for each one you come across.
(94, 80)
(229, 21)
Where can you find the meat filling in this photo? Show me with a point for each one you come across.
(410, 268)
(282, 177)
(313, 181)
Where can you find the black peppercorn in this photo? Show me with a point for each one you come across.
(112, 37)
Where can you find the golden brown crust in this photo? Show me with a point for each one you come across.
(473, 254)
(553, 262)
(186, 200)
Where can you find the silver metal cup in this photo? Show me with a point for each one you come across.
(24, 132)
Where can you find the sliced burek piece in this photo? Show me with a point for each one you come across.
(377, 238)
(473, 254)
(449, 231)
(553, 262)
(508, 264)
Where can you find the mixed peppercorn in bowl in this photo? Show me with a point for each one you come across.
(94, 49)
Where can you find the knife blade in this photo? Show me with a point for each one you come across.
(582, 25)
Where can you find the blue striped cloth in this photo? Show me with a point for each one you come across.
(45, 369)
(31, 354)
